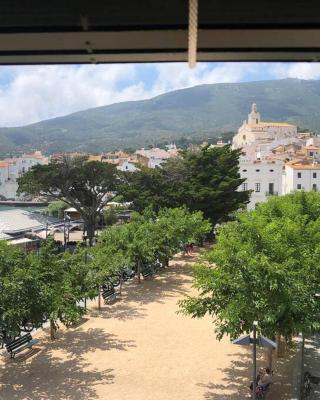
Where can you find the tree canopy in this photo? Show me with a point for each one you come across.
(204, 178)
(151, 236)
(84, 185)
(264, 267)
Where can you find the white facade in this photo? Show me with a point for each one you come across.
(276, 159)
(301, 176)
(263, 178)
(12, 168)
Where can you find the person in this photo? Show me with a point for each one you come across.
(257, 378)
(264, 381)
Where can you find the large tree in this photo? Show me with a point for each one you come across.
(204, 178)
(84, 185)
(264, 267)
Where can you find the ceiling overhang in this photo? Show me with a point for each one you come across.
(37, 32)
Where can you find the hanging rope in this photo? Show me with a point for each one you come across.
(193, 33)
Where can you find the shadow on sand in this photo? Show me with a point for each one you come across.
(238, 378)
(70, 378)
(165, 284)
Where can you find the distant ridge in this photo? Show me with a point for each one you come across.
(197, 112)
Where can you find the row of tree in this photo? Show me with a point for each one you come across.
(51, 286)
(202, 179)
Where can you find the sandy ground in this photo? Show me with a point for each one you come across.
(138, 348)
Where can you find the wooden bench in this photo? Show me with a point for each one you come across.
(109, 295)
(19, 344)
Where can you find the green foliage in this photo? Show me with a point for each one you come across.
(149, 237)
(80, 184)
(204, 179)
(264, 267)
(47, 285)
(56, 209)
(110, 216)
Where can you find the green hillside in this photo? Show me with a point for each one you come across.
(198, 112)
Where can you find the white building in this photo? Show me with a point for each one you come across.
(301, 175)
(263, 178)
(12, 168)
(155, 157)
(276, 159)
(258, 132)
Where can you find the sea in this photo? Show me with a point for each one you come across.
(30, 209)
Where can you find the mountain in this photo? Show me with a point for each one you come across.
(198, 112)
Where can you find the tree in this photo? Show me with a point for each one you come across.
(110, 216)
(47, 286)
(264, 267)
(56, 209)
(21, 297)
(150, 236)
(205, 179)
(84, 185)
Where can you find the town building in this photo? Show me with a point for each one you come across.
(301, 175)
(255, 131)
(276, 159)
(12, 168)
(155, 157)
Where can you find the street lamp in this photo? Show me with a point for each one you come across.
(260, 341)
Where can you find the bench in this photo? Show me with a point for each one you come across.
(128, 273)
(109, 295)
(146, 271)
(19, 344)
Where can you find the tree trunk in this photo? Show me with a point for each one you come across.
(90, 232)
(269, 358)
(120, 288)
(99, 299)
(52, 329)
(139, 271)
(166, 262)
(85, 303)
(302, 367)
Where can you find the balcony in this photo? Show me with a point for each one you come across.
(273, 193)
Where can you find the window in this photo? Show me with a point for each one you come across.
(257, 170)
(244, 170)
(271, 170)
(257, 187)
(244, 137)
(314, 187)
(299, 186)
(244, 187)
(311, 153)
(314, 175)
(299, 174)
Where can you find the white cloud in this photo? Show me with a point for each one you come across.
(300, 70)
(33, 93)
(36, 93)
(178, 76)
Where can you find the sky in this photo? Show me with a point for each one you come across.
(33, 93)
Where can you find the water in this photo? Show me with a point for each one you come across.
(30, 209)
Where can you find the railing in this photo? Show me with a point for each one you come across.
(273, 193)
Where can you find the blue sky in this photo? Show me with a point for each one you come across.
(32, 93)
